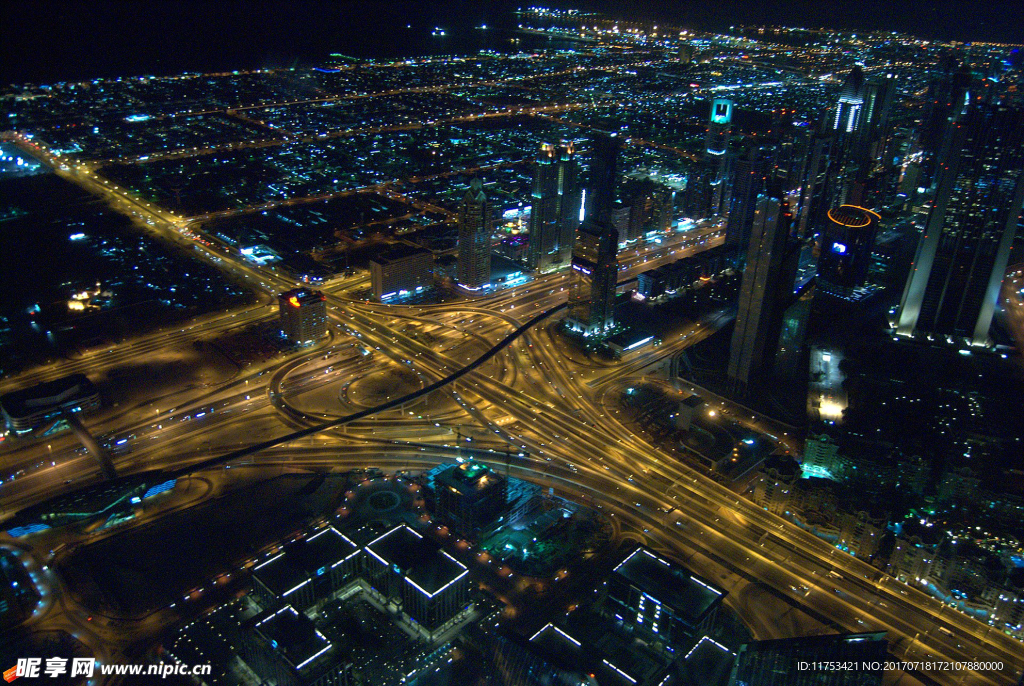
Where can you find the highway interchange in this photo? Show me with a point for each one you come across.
(550, 405)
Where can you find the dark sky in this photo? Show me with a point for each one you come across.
(46, 41)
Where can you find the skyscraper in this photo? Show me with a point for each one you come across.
(595, 266)
(955, 279)
(846, 244)
(851, 102)
(707, 186)
(475, 227)
(765, 291)
(303, 315)
(815, 193)
(554, 216)
(748, 182)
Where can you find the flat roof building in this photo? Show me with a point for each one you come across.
(470, 495)
(401, 270)
(307, 570)
(30, 408)
(778, 662)
(303, 315)
(662, 599)
(284, 647)
(427, 584)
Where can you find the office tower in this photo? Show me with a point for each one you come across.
(604, 177)
(400, 271)
(765, 291)
(748, 182)
(948, 97)
(874, 128)
(475, 226)
(784, 661)
(303, 315)
(716, 154)
(470, 496)
(851, 101)
(707, 185)
(660, 600)
(642, 198)
(846, 244)
(814, 196)
(554, 216)
(594, 263)
(430, 586)
(961, 258)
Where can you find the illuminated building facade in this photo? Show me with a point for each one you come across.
(661, 600)
(556, 198)
(962, 256)
(846, 243)
(303, 315)
(401, 271)
(470, 495)
(764, 292)
(595, 266)
(475, 227)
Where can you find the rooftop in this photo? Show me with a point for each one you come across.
(293, 636)
(399, 251)
(26, 401)
(298, 297)
(689, 596)
(423, 564)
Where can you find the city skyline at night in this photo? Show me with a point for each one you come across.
(343, 343)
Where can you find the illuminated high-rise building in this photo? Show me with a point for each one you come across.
(846, 244)
(851, 102)
(555, 211)
(962, 256)
(814, 184)
(594, 255)
(475, 228)
(707, 187)
(749, 176)
(303, 315)
(765, 291)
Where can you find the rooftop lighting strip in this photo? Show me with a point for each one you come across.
(382, 560)
(710, 588)
(540, 631)
(431, 595)
(577, 643)
(453, 559)
(386, 534)
(318, 654)
(629, 558)
(267, 619)
(631, 679)
(321, 533)
(295, 588)
(264, 564)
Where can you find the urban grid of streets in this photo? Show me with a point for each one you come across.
(553, 406)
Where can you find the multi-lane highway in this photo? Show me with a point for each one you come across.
(552, 404)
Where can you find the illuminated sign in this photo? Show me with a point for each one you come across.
(294, 301)
(581, 268)
(838, 248)
(721, 111)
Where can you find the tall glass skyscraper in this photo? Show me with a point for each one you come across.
(555, 211)
(764, 291)
(595, 267)
(475, 228)
(955, 279)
